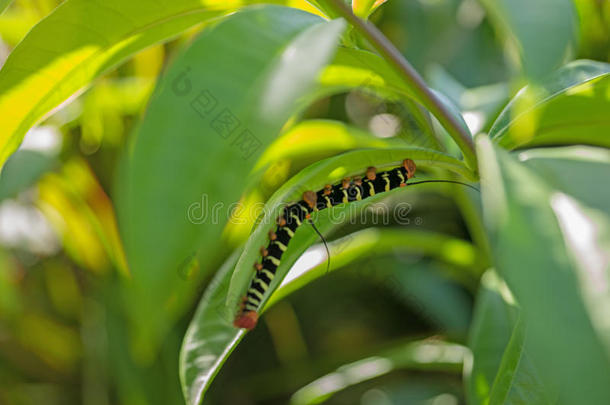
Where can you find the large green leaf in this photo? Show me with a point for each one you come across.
(211, 116)
(493, 321)
(312, 140)
(542, 31)
(314, 177)
(379, 241)
(576, 170)
(210, 339)
(569, 107)
(212, 336)
(4, 4)
(552, 252)
(425, 355)
(79, 41)
(502, 371)
(518, 381)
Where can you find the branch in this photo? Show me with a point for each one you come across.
(413, 80)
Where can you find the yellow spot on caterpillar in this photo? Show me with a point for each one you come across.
(372, 189)
(280, 245)
(256, 292)
(261, 283)
(402, 178)
(269, 274)
(273, 260)
(288, 231)
(385, 176)
(296, 219)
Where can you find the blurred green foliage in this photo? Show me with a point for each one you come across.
(100, 271)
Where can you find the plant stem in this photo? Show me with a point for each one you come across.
(413, 80)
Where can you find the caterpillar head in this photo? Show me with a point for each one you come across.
(311, 198)
(409, 165)
(246, 320)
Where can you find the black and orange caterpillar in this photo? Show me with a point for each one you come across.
(293, 216)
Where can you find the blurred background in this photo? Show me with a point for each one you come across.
(64, 331)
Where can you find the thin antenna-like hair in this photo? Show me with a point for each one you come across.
(444, 181)
(325, 244)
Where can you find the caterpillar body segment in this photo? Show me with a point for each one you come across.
(294, 215)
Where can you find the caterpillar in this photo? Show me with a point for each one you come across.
(292, 216)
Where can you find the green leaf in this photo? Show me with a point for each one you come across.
(204, 350)
(425, 355)
(542, 31)
(186, 167)
(210, 339)
(314, 177)
(311, 140)
(551, 252)
(353, 68)
(576, 170)
(4, 4)
(22, 170)
(569, 107)
(502, 371)
(79, 41)
(372, 242)
(211, 336)
(518, 381)
(494, 318)
(364, 8)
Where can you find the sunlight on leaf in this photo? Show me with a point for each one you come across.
(78, 42)
(209, 114)
(530, 252)
(425, 355)
(568, 107)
